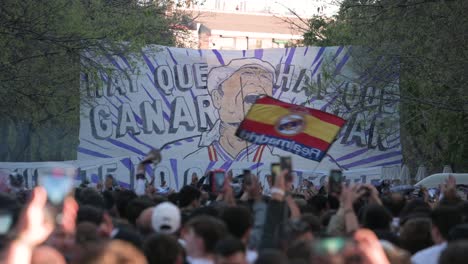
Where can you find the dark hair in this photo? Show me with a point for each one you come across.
(109, 200)
(415, 208)
(455, 253)
(333, 202)
(161, 249)
(229, 246)
(376, 217)
(313, 222)
(210, 229)
(90, 196)
(271, 256)
(122, 198)
(187, 195)
(238, 220)
(445, 218)
(300, 250)
(136, 206)
(89, 213)
(319, 203)
(394, 202)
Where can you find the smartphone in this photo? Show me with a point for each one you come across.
(330, 246)
(247, 177)
(217, 181)
(6, 221)
(58, 181)
(286, 164)
(275, 171)
(335, 181)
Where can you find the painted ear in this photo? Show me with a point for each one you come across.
(216, 98)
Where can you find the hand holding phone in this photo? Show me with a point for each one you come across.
(217, 181)
(275, 171)
(286, 164)
(335, 181)
(57, 181)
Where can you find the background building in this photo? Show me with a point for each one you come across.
(242, 25)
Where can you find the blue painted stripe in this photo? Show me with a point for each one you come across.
(219, 57)
(148, 62)
(255, 166)
(170, 54)
(174, 171)
(92, 153)
(92, 143)
(373, 159)
(258, 53)
(352, 154)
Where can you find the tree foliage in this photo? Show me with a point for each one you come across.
(45, 45)
(429, 39)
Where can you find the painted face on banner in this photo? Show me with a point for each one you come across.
(240, 91)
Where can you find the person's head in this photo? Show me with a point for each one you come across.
(112, 252)
(377, 217)
(189, 196)
(194, 178)
(296, 230)
(230, 251)
(143, 222)
(455, 253)
(166, 218)
(201, 234)
(414, 209)
(46, 255)
(271, 256)
(136, 206)
(86, 232)
(122, 198)
(394, 202)
(162, 249)
(96, 216)
(238, 221)
(109, 181)
(415, 235)
(315, 226)
(237, 85)
(443, 219)
(90, 196)
(89, 213)
(319, 204)
(300, 250)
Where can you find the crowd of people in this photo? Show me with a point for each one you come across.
(242, 223)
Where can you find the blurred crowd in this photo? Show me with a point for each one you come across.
(240, 223)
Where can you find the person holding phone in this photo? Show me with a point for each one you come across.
(35, 226)
(153, 157)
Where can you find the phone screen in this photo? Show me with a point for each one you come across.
(275, 171)
(286, 164)
(335, 181)
(57, 181)
(219, 180)
(330, 246)
(6, 221)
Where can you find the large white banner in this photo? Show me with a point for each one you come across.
(174, 174)
(188, 103)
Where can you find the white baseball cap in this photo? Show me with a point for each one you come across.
(165, 218)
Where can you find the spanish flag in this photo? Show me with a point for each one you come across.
(300, 130)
